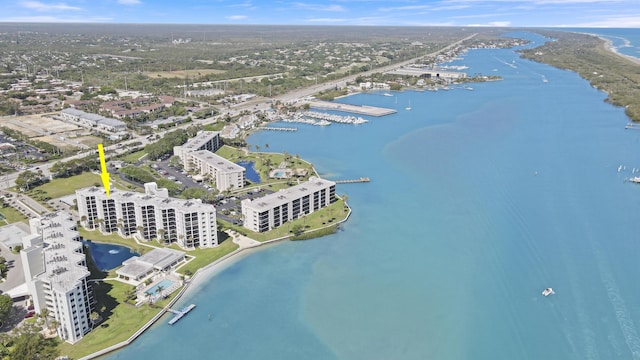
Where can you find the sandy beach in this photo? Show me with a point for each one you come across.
(609, 46)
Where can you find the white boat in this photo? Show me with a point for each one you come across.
(548, 291)
(387, 94)
(408, 107)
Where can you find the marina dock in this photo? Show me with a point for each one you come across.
(355, 109)
(360, 180)
(278, 128)
(180, 313)
(632, 126)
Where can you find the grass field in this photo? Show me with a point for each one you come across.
(66, 186)
(134, 157)
(207, 256)
(181, 74)
(11, 216)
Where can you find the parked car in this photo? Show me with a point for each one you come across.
(29, 314)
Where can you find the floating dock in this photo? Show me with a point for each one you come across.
(355, 109)
(180, 314)
(632, 126)
(360, 180)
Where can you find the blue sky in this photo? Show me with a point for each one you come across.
(572, 13)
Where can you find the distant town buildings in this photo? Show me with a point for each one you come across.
(56, 274)
(93, 120)
(198, 154)
(152, 215)
(429, 73)
(270, 211)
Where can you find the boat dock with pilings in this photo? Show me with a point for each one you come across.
(360, 180)
(180, 313)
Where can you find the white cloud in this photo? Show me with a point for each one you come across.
(129, 2)
(40, 6)
(612, 22)
(236, 17)
(319, 7)
(53, 19)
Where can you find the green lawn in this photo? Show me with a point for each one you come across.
(134, 157)
(207, 256)
(59, 187)
(122, 320)
(11, 215)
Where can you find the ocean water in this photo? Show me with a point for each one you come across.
(625, 41)
(478, 201)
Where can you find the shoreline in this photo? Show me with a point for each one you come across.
(201, 276)
(608, 45)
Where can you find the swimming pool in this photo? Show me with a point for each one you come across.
(166, 284)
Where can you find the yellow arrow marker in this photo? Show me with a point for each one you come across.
(105, 174)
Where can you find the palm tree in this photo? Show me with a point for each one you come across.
(54, 324)
(159, 290)
(161, 233)
(44, 314)
(94, 317)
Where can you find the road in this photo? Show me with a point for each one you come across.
(8, 181)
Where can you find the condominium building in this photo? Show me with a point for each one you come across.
(270, 211)
(152, 215)
(198, 155)
(204, 140)
(226, 174)
(56, 274)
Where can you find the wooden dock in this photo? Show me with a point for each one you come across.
(360, 180)
(180, 313)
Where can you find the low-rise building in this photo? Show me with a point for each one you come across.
(152, 215)
(137, 268)
(56, 274)
(92, 120)
(270, 211)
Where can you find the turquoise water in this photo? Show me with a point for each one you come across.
(166, 284)
(478, 201)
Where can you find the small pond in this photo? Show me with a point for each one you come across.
(108, 256)
(251, 173)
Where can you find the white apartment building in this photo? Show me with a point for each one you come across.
(56, 274)
(205, 140)
(198, 154)
(270, 211)
(152, 215)
(227, 174)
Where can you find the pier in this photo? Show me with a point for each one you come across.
(180, 313)
(632, 126)
(278, 128)
(355, 109)
(360, 180)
